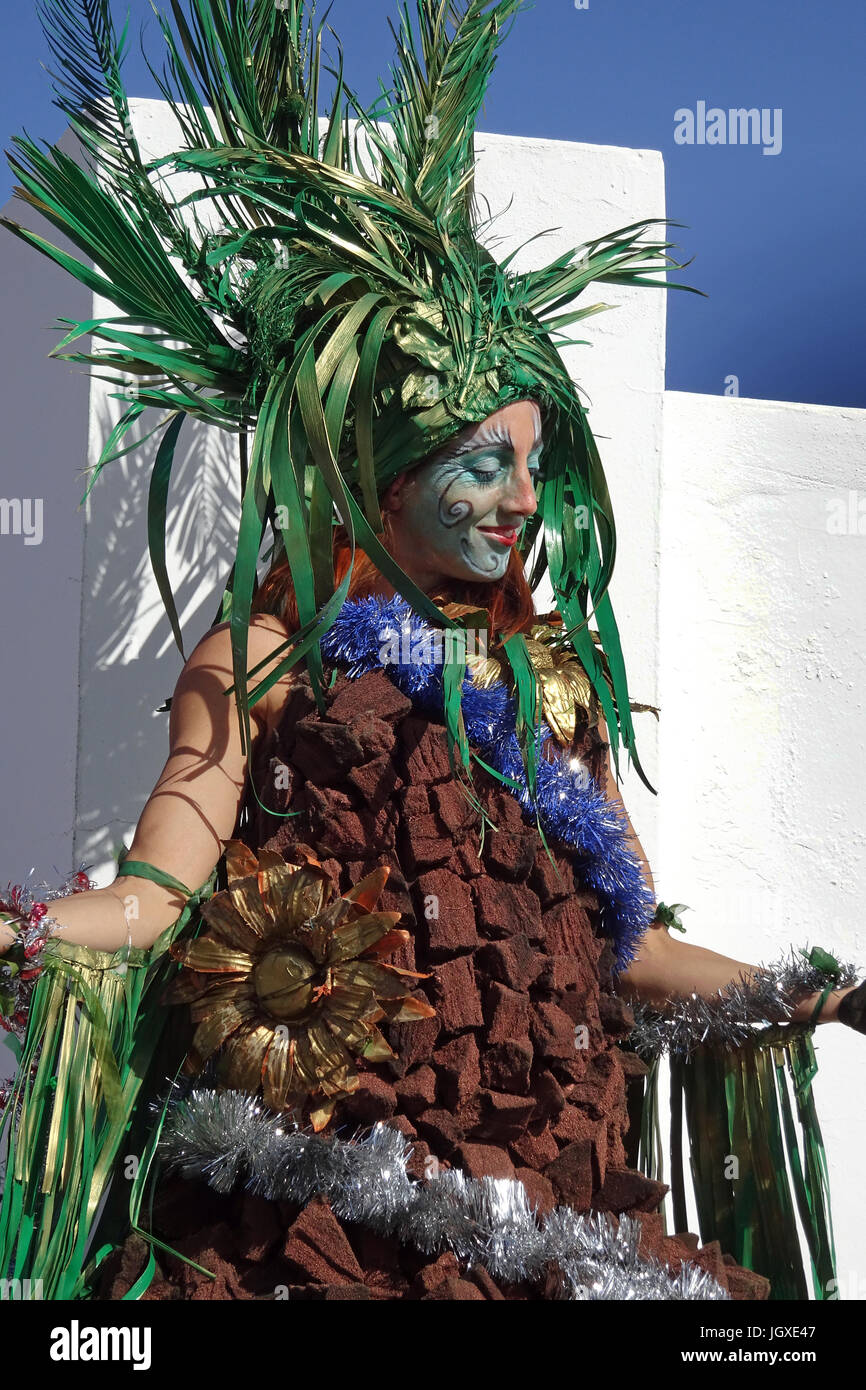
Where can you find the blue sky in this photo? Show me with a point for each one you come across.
(776, 238)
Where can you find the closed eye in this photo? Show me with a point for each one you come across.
(491, 466)
(486, 477)
(486, 470)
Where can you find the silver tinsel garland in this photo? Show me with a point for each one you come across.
(734, 1015)
(218, 1136)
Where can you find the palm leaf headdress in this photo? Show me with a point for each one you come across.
(324, 291)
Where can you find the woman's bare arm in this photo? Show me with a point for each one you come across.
(193, 808)
(666, 966)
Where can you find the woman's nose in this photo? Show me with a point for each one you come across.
(520, 497)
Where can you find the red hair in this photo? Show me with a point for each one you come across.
(508, 600)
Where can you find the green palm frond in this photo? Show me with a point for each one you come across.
(623, 257)
(256, 67)
(133, 267)
(90, 91)
(443, 65)
(89, 86)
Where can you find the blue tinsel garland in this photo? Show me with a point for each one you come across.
(569, 806)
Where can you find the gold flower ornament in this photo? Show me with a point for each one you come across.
(288, 981)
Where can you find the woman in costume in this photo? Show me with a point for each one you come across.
(378, 830)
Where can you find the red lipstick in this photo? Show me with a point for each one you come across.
(506, 535)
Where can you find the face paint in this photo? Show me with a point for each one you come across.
(463, 514)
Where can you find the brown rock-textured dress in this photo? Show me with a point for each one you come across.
(518, 1075)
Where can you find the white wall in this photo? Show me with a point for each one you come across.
(763, 634)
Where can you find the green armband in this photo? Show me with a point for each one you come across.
(139, 868)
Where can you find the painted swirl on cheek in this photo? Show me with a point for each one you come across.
(456, 509)
(453, 510)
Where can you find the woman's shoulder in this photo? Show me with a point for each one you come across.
(266, 647)
(267, 633)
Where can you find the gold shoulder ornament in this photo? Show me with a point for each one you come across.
(566, 696)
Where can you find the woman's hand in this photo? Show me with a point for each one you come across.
(851, 1007)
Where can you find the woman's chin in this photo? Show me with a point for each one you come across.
(486, 567)
(473, 576)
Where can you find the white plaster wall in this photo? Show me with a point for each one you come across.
(763, 679)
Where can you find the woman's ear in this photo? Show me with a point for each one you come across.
(391, 498)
